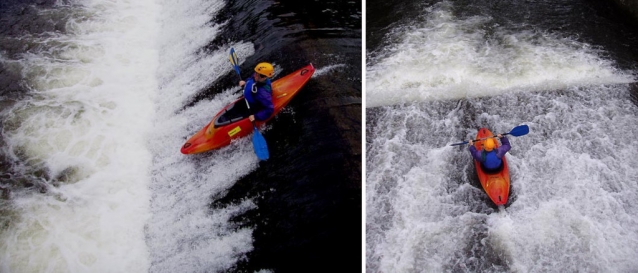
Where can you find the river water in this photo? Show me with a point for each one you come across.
(437, 71)
(97, 97)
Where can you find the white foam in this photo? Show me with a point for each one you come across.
(184, 234)
(88, 118)
(573, 185)
(450, 58)
(573, 177)
(325, 70)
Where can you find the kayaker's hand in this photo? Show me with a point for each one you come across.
(241, 83)
(251, 118)
(499, 136)
(471, 142)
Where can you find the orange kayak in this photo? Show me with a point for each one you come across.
(495, 184)
(232, 122)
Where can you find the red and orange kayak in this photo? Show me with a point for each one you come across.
(496, 184)
(232, 122)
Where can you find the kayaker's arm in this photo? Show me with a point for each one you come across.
(243, 82)
(476, 154)
(505, 147)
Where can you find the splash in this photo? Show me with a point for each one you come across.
(79, 135)
(451, 58)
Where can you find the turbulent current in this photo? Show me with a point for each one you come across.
(97, 97)
(448, 68)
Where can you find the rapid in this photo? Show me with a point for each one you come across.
(77, 138)
(448, 68)
(98, 97)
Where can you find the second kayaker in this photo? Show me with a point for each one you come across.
(490, 156)
(258, 92)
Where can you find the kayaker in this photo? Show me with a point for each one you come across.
(490, 156)
(258, 92)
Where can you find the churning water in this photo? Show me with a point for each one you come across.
(98, 97)
(454, 67)
(80, 136)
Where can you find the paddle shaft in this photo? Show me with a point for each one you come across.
(474, 140)
(520, 130)
(484, 138)
(259, 142)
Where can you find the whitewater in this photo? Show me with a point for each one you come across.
(109, 92)
(103, 99)
(85, 125)
(439, 78)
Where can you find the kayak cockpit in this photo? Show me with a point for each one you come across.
(488, 171)
(233, 113)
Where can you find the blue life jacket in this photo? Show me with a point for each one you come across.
(490, 160)
(252, 87)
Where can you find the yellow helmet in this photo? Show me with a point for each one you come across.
(265, 69)
(489, 144)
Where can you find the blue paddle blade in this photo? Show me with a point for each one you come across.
(520, 130)
(259, 143)
(234, 60)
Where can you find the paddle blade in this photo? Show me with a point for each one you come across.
(234, 60)
(260, 146)
(519, 131)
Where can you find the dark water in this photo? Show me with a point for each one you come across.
(18, 18)
(308, 194)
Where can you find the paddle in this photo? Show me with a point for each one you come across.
(234, 61)
(259, 142)
(520, 130)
